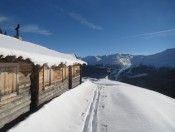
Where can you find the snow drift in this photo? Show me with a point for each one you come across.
(104, 106)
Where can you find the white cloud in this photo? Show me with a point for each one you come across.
(35, 29)
(163, 32)
(84, 21)
(2, 18)
(78, 18)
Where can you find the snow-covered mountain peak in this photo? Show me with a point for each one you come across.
(121, 60)
(125, 60)
(162, 59)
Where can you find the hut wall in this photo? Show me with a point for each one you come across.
(14, 90)
(52, 82)
(76, 78)
(24, 86)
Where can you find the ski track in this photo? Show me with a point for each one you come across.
(91, 120)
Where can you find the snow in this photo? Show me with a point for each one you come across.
(115, 59)
(119, 72)
(104, 106)
(98, 58)
(162, 59)
(64, 114)
(10, 46)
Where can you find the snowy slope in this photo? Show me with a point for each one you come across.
(165, 58)
(162, 59)
(104, 106)
(36, 53)
(115, 59)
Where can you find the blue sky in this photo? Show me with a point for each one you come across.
(93, 27)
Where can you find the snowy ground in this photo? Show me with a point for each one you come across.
(104, 106)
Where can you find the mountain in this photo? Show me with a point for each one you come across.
(155, 72)
(162, 59)
(120, 60)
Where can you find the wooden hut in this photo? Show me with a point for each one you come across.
(30, 75)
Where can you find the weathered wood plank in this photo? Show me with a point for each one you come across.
(41, 79)
(75, 81)
(75, 70)
(24, 90)
(5, 97)
(13, 116)
(8, 77)
(47, 91)
(58, 73)
(54, 94)
(52, 89)
(24, 85)
(23, 78)
(78, 76)
(14, 102)
(12, 110)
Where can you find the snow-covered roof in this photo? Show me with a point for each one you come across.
(40, 55)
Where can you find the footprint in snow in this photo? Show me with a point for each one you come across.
(104, 96)
(82, 114)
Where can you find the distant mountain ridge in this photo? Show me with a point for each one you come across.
(155, 72)
(162, 59)
(106, 60)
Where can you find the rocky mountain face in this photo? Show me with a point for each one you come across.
(155, 72)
